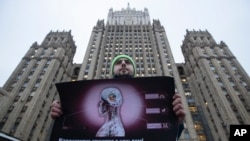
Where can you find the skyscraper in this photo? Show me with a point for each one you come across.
(130, 32)
(28, 93)
(218, 83)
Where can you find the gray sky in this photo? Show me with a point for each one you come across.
(23, 22)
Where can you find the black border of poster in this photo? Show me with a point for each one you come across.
(146, 111)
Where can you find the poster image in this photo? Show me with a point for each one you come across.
(127, 109)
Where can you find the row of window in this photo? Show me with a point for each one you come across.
(201, 39)
(127, 32)
(232, 81)
(43, 52)
(215, 53)
(57, 39)
(193, 109)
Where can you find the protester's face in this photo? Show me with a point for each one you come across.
(123, 67)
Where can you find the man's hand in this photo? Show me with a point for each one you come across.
(178, 108)
(56, 109)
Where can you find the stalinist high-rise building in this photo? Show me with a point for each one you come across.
(214, 86)
(219, 85)
(131, 32)
(28, 93)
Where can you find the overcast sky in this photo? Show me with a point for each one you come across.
(23, 22)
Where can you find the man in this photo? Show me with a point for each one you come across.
(123, 66)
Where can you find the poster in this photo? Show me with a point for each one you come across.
(127, 109)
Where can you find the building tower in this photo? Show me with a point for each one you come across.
(28, 93)
(218, 83)
(199, 120)
(130, 32)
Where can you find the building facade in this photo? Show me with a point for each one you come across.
(130, 32)
(28, 93)
(198, 117)
(218, 83)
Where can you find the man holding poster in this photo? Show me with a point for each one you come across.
(123, 66)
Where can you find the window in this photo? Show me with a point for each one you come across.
(186, 134)
(11, 108)
(193, 109)
(24, 109)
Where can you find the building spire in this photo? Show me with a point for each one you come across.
(128, 6)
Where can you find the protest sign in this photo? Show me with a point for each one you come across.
(127, 109)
